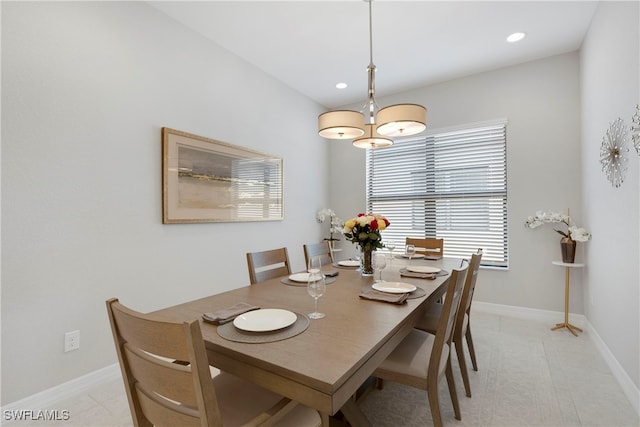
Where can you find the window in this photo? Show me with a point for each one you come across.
(450, 185)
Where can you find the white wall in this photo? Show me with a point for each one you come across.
(611, 89)
(86, 88)
(541, 101)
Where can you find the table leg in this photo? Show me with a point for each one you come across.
(353, 414)
(566, 324)
(324, 417)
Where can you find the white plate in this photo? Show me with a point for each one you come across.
(349, 263)
(415, 256)
(268, 319)
(393, 287)
(300, 277)
(422, 269)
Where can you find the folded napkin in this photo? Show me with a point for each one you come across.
(431, 276)
(406, 273)
(226, 315)
(372, 294)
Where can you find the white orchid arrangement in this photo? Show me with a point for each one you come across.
(335, 223)
(573, 232)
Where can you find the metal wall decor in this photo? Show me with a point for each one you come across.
(613, 153)
(635, 129)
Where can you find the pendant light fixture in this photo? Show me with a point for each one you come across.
(372, 127)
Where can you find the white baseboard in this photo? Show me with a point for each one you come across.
(628, 387)
(50, 397)
(528, 313)
(69, 389)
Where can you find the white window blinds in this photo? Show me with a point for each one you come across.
(450, 185)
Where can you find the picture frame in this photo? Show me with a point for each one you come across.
(205, 180)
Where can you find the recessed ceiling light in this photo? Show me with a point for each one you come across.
(341, 85)
(516, 37)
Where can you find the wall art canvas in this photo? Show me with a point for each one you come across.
(204, 180)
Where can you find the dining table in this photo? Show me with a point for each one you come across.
(324, 365)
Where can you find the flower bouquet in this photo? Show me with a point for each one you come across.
(335, 224)
(570, 236)
(364, 230)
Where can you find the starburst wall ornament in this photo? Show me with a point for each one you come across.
(613, 153)
(635, 129)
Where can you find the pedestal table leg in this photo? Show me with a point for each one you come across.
(566, 324)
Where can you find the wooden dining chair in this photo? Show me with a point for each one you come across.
(162, 393)
(267, 265)
(429, 321)
(422, 358)
(434, 246)
(321, 250)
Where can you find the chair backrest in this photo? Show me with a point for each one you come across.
(436, 246)
(267, 265)
(161, 392)
(444, 333)
(467, 290)
(321, 250)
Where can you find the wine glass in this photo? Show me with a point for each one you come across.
(316, 285)
(359, 256)
(379, 263)
(391, 246)
(410, 250)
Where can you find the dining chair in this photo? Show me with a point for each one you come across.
(435, 246)
(429, 321)
(422, 358)
(321, 250)
(268, 264)
(162, 393)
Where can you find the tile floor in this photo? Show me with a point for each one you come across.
(528, 376)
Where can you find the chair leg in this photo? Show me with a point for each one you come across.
(472, 351)
(463, 366)
(434, 403)
(452, 389)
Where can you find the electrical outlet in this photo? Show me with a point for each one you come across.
(71, 341)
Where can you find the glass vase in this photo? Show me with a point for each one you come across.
(366, 267)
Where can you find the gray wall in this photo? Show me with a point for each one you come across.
(610, 77)
(86, 88)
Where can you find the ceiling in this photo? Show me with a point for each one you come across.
(312, 45)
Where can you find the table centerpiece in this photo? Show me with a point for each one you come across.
(364, 231)
(570, 236)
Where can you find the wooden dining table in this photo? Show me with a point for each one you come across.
(323, 366)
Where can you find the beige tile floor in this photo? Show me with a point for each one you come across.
(528, 376)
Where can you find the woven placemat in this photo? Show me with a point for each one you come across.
(418, 293)
(287, 281)
(229, 332)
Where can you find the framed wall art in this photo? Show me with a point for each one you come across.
(204, 180)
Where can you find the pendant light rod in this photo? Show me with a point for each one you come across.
(370, 35)
(371, 72)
